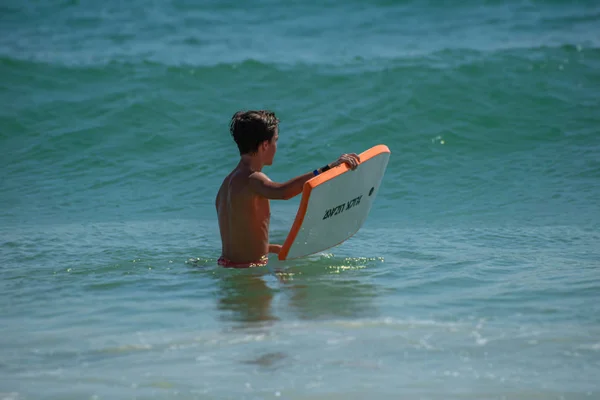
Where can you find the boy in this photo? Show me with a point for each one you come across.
(242, 202)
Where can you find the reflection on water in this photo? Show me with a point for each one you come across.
(339, 298)
(244, 296)
(319, 288)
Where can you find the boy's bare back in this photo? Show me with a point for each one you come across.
(243, 218)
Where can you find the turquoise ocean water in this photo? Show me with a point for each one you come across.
(476, 276)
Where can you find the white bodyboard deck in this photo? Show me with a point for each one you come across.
(335, 204)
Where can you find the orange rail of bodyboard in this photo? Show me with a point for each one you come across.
(316, 181)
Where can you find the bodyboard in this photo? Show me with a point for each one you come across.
(335, 204)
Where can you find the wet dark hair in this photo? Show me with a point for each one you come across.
(250, 128)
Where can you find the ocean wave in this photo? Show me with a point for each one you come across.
(338, 35)
(83, 110)
(190, 60)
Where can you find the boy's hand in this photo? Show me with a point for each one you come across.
(351, 160)
(274, 248)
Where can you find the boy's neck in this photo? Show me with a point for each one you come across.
(252, 162)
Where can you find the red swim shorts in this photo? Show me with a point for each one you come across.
(223, 262)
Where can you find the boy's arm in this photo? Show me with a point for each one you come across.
(265, 187)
